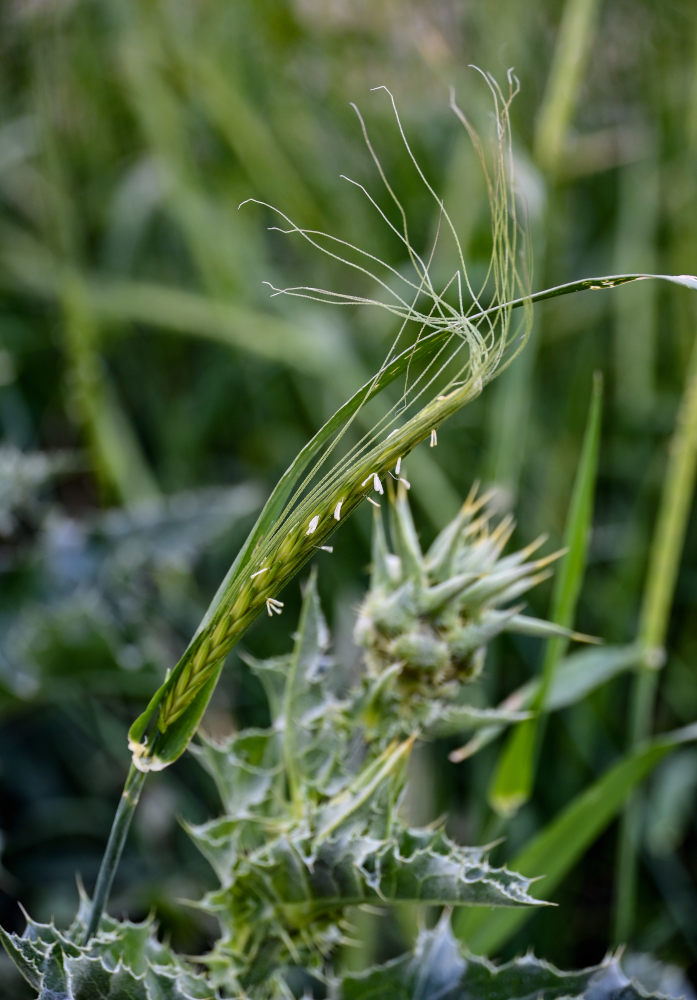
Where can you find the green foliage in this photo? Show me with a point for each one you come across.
(124, 961)
(107, 588)
(134, 335)
(554, 850)
(512, 784)
(439, 967)
(311, 827)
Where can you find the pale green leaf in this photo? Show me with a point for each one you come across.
(578, 675)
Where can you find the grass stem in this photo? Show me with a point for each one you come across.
(664, 559)
(117, 837)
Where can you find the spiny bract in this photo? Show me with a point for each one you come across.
(427, 618)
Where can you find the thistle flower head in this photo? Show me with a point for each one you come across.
(427, 618)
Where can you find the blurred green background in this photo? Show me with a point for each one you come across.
(151, 390)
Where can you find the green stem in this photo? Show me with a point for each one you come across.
(664, 560)
(574, 40)
(117, 837)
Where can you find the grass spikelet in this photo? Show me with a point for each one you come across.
(450, 342)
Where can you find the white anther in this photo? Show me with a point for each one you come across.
(407, 484)
(434, 437)
(374, 502)
(259, 572)
(273, 606)
(312, 526)
(327, 548)
(398, 466)
(337, 510)
(377, 485)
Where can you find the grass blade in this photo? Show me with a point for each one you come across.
(555, 850)
(568, 65)
(664, 559)
(576, 677)
(513, 779)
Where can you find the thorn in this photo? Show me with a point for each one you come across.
(312, 526)
(273, 606)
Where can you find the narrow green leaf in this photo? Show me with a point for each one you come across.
(577, 676)
(574, 44)
(554, 851)
(451, 720)
(512, 783)
(664, 561)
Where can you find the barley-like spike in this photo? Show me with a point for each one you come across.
(464, 337)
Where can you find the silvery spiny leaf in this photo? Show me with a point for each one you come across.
(440, 967)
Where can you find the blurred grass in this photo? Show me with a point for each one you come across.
(134, 330)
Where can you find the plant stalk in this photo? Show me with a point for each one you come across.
(117, 838)
(664, 560)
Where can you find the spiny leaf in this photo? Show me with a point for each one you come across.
(287, 901)
(244, 768)
(28, 960)
(347, 869)
(439, 967)
(124, 961)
